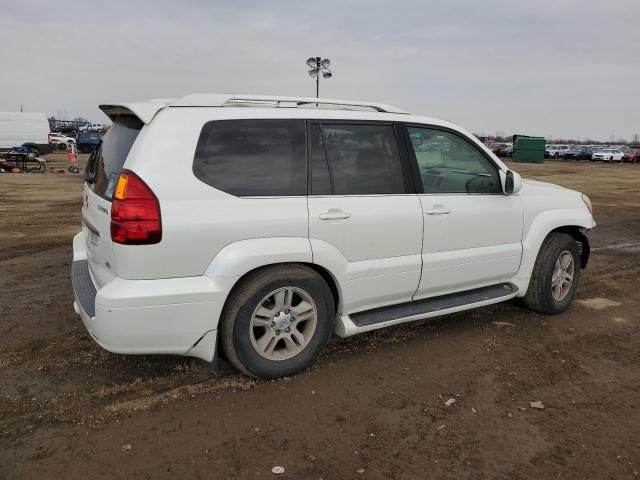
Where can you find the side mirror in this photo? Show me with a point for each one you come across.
(511, 182)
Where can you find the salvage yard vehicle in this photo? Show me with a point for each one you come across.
(632, 155)
(18, 129)
(87, 141)
(608, 155)
(262, 225)
(60, 141)
(556, 151)
(578, 153)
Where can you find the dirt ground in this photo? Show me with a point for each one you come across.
(373, 407)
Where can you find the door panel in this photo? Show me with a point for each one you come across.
(378, 246)
(477, 243)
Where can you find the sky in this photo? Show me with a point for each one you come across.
(558, 68)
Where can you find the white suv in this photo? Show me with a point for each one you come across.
(262, 225)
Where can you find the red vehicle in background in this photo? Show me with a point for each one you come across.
(498, 148)
(632, 156)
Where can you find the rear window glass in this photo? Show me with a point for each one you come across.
(253, 157)
(107, 160)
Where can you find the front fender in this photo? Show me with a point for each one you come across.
(543, 224)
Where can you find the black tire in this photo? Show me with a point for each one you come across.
(556, 156)
(62, 146)
(539, 296)
(235, 322)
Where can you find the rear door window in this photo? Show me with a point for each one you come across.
(107, 160)
(263, 157)
(362, 160)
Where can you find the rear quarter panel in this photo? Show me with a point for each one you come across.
(198, 221)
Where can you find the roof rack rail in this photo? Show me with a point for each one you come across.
(221, 100)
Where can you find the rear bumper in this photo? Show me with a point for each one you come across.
(166, 316)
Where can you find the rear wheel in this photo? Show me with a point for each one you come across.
(556, 156)
(555, 275)
(277, 321)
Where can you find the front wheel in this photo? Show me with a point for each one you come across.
(277, 321)
(555, 275)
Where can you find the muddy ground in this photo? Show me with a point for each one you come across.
(373, 407)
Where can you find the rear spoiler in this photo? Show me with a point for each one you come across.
(145, 111)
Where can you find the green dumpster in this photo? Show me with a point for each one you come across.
(528, 149)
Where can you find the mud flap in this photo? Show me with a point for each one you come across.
(205, 350)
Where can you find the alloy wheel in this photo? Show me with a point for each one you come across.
(283, 323)
(563, 273)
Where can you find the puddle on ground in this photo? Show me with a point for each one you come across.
(624, 247)
(599, 303)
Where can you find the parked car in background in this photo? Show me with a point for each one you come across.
(506, 151)
(60, 141)
(608, 155)
(631, 156)
(18, 129)
(497, 148)
(92, 127)
(87, 141)
(578, 153)
(556, 151)
(260, 230)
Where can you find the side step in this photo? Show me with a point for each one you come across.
(434, 304)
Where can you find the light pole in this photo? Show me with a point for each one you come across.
(319, 66)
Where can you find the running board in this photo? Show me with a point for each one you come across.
(434, 305)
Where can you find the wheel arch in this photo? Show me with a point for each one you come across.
(581, 239)
(326, 275)
(245, 257)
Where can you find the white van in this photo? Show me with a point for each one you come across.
(28, 129)
(263, 225)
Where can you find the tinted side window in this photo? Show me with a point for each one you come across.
(450, 164)
(364, 159)
(253, 157)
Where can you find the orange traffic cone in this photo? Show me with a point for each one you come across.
(72, 155)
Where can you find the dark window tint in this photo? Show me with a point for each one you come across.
(253, 157)
(320, 179)
(450, 164)
(363, 159)
(107, 160)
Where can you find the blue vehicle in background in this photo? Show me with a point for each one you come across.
(87, 141)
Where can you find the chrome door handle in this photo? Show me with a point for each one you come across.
(334, 214)
(438, 210)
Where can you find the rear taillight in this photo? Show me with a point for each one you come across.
(49, 137)
(135, 212)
